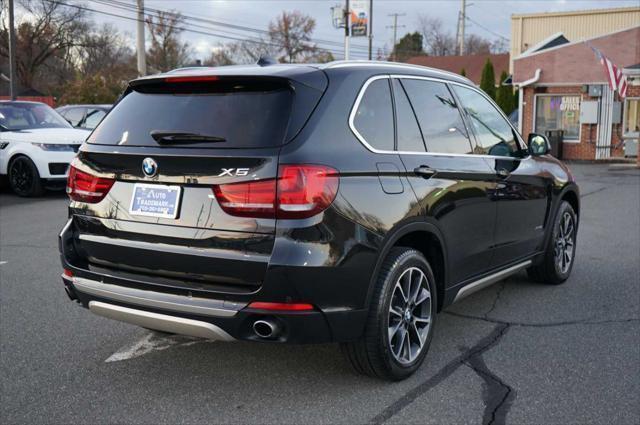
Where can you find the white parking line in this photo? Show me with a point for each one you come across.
(3, 262)
(151, 342)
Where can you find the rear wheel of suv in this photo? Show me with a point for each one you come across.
(401, 318)
(24, 178)
(560, 252)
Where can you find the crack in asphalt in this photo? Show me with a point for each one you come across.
(584, 195)
(503, 284)
(465, 358)
(497, 395)
(587, 321)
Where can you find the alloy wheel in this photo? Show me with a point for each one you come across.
(564, 243)
(409, 315)
(21, 176)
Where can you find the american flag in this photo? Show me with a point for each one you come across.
(616, 80)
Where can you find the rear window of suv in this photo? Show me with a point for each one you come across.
(230, 113)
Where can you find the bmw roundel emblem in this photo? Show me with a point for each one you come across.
(149, 167)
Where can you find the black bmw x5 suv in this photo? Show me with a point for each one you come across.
(347, 202)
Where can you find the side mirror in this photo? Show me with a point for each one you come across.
(538, 145)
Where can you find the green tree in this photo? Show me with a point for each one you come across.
(410, 45)
(97, 88)
(504, 95)
(488, 79)
(463, 72)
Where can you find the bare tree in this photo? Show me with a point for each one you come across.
(438, 42)
(46, 35)
(167, 51)
(476, 45)
(500, 45)
(291, 31)
(106, 51)
(220, 56)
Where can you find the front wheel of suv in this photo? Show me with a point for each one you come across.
(24, 178)
(401, 318)
(560, 251)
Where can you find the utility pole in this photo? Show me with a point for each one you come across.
(463, 23)
(395, 27)
(142, 61)
(370, 29)
(13, 84)
(347, 15)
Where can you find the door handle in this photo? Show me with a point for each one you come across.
(424, 171)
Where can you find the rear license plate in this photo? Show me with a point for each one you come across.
(155, 200)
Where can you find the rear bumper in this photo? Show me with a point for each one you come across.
(199, 317)
(297, 271)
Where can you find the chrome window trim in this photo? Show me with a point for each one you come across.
(362, 140)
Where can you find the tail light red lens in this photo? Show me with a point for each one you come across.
(85, 187)
(250, 199)
(300, 191)
(305, 190)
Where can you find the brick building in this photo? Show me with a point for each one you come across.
(565, 87)
(472, 64)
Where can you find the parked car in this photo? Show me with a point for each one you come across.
(36, 146)
(84, 116)
(348, 202)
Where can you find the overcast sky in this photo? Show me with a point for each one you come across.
(494, 15)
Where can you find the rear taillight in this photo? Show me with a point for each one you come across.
(300, 191)
(85, 187)
(250, 199)
(305, 190)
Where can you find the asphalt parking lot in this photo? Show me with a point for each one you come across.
(517, 352)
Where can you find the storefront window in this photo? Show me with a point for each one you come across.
(558, 113)
(632, 117)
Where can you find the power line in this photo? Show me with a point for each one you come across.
(181, 28)
(488, 30)
(130, 7)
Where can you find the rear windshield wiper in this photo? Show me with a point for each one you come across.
(168, 137)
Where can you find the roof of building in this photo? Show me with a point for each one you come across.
(575, 12)
(553, 40)
(472, 64)
(576, 62)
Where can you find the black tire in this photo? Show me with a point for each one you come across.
(24, 178)
(372, 354)
(556, 265)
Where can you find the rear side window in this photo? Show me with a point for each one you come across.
(231, 114)
(374, 117)
(409, 136)
(438, 116)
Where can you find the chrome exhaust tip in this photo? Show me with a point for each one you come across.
(265, 328)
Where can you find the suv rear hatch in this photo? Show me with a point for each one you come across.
(176, 186)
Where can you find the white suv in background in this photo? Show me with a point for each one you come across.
(36, 146)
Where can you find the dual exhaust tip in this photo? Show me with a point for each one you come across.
(266, 328)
